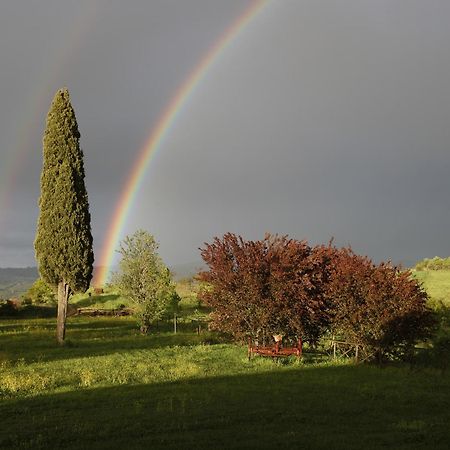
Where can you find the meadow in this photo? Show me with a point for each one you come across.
(110, 387)
(437, 285)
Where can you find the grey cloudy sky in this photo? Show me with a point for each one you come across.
(321, 119)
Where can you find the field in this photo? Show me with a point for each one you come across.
(110, 387)
(437, 285)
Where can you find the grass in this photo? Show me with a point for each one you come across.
(437, 285)
(339, 407)
(110, 387)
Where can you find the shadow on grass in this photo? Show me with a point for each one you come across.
(349, 407)
(29, 312)
(95, 300)
(87, 337)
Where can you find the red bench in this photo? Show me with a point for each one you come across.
(275, 351)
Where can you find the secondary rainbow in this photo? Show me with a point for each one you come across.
(47, 81)
(158, 134)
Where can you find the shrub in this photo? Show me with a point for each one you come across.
(283, 286)
(377, 306)
(266, 287)
(40, 293)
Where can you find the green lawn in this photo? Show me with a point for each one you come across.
(436, 283)
(112, 388)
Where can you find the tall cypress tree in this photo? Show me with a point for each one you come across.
(63, 242)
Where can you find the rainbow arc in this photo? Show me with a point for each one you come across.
(160, 131)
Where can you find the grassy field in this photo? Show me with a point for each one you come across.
(437, 285)
(110, 387)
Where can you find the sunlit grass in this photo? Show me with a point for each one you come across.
(437, 285)
(111, 387)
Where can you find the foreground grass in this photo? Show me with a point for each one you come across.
(111, 388)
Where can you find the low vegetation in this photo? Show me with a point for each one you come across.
(116, 388)
(435, 263)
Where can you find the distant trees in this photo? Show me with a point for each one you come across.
(435, 263)
(63, 243)
(145, 280)
(283, 286)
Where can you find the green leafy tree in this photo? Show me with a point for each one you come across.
(40, 292)
(145, 280)
(63, 242)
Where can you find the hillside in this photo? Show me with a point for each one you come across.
(14, 281)
(436, 283)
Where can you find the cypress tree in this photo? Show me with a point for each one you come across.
(63, 243)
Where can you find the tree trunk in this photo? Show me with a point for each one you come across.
(63, 300)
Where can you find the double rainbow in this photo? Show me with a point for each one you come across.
(159, 132)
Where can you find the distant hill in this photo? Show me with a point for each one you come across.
(14, 281)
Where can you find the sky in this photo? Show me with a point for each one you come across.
(320, 120)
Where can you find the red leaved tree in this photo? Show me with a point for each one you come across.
(266, 287)
(376, 305)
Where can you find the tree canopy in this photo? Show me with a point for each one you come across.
(260, 288)
(63, 243)
(283, 286)
(144, 279)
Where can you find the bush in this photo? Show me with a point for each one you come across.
(40, 293)
(266, 287)
(377, 306)
(8, 308)
(283, 286)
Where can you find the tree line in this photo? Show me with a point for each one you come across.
(435, 263)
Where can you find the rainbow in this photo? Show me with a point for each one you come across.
(159, 132)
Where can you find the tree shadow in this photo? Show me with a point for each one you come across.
(95, 299)
(29, 312)
(347, 408)
(90, 337)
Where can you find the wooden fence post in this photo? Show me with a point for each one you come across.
(175, 323)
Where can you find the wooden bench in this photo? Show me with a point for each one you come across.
(275, 351)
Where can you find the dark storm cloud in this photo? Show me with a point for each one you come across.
(321, 119)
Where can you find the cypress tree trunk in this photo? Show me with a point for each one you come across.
(63, 300)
